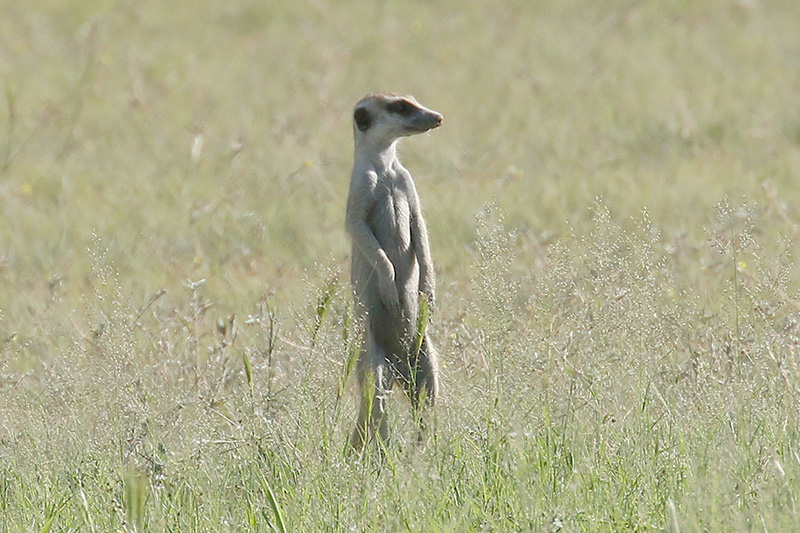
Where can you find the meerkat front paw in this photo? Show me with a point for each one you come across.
(389, 297)
(429, 294)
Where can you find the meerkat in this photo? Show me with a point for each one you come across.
(391, 263)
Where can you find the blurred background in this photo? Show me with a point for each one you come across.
(213, 140)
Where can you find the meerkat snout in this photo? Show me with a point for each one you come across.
(433, 120)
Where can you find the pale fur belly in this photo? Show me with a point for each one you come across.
(391, 225)
(390, 222)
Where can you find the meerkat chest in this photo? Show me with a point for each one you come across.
(392, 213)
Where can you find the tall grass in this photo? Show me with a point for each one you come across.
(599, 394)
(611, 202)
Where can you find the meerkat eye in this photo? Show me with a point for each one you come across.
(401, 107)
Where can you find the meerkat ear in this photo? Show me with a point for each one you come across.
(362, 118)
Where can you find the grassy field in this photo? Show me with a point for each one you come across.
(613, 206)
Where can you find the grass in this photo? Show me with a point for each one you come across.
(611, 202)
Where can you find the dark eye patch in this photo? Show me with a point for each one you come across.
(401, 107)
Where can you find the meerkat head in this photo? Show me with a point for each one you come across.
(383, 118)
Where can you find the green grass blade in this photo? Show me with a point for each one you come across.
(248, 371)
(49, 523)
(273, 502)
(422, 321)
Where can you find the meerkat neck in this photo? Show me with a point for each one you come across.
(381, 158)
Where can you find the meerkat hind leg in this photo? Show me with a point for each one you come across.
(375, 385)
(423, 388)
